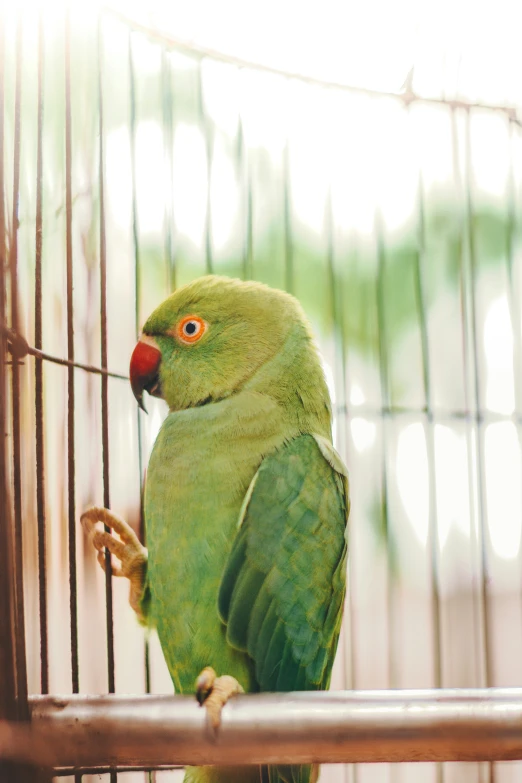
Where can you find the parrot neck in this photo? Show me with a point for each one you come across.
(294, 379)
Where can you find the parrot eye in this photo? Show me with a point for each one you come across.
(191, 329)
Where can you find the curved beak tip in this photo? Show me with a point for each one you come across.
(144, 369)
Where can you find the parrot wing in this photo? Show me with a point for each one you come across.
(283, 587)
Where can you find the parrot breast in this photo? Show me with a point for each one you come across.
(199, 472)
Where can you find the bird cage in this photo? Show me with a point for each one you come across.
(133, 162)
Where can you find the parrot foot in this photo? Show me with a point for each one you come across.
(128, 549)
(213, 692)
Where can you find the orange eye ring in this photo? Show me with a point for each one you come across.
(190, 329)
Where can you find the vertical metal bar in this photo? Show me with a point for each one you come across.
(289, 250)
(470, 349)
(135, 230)
(71, 467)
(420, 290)
(342, 411)
(7, 681)
(3, 288)
(385, 403)
(137, 289)
(70, 370)
(150, 776)
(208, 151)
(136, 242)
(104, 378)
(21, 673)
(7, 652)
(246, 179)
(385, 396)
(249, 251)
(342, 406)
(465, 318)
(38, 370)
(477, 614)
(513, 300)
(8, 707)
(470, 282)
(13, 679)
(9, 703)
(168, 144)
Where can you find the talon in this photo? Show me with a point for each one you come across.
(204, 683)
(100, 514)
(213, 693)
(101, 539)
(128, 549)
(115, 569)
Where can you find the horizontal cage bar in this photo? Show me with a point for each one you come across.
(345, 726)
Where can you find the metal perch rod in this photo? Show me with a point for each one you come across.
(348, 726)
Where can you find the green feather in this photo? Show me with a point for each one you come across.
(263, 639)
(257, 614)
(271, 661)
(227, 584)
(287, 674)
(244, 596)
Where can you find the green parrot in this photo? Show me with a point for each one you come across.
(245, 505)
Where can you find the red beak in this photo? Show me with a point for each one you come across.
(143, 370)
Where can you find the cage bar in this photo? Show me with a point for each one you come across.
(341, 411)
(208, 135)
(38, 370)
(349, 675)
(513, 300)
(7, 655)
(168, 151)
(294, 728)
(421, 295)
(245, 176)
(137, 302)
(469, 277)
(104, 378)
(8, 705)
(71, 488)
(287, 217)
(405, 96)
(19, 623)
(384, 380)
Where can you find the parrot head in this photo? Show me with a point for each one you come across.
(214, 336)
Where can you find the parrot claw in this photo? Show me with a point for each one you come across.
(128, 549)
(213, 692)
